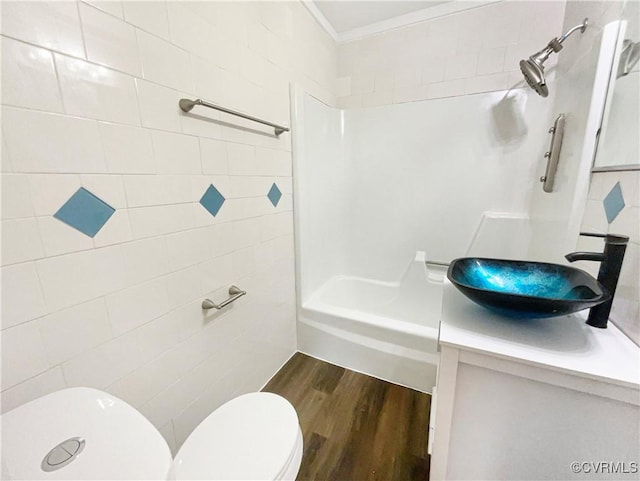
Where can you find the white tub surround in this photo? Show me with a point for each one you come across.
(524, 399)
(375, 186)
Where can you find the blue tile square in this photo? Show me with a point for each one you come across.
(613, 203)
(85, 212)
(212, 200)
(274, 195)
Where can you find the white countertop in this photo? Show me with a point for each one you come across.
(563, 343)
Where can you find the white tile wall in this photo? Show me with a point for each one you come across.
(22, 298)
(96, 92)
(109, 41)
(13, 204)
(70, 332)
(159, 335)
(21, 241)
(176, 154)
(164, 63)
(473, 51)
(74, 278)
(149, 16)
(114, 7)
(74, 141)
(105, 364)
(135, 306)
(214, 157)
(89, 94)
(35, 387)
(59, 239)
(22, 353)
(53, 25)
(29, 77)
(119, 231)
(187, 248)
(127, 149)
(158, 106)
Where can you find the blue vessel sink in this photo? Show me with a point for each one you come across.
(526, 289)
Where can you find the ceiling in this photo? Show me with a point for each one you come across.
(345, 15)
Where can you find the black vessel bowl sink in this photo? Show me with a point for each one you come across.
(526, 289)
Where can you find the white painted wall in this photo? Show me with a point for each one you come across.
(89, 94)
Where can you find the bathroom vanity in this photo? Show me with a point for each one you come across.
(533, 398)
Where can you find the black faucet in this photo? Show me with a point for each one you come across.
(610, 264)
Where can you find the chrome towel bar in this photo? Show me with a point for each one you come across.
(234, 292)
(186, 105)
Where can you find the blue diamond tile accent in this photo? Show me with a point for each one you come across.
(274, 195)
(85, 212)
(212, 200)
(613, 203)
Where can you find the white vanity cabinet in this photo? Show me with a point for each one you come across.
(533, 399)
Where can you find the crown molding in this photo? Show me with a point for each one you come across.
(418, 16)
(320, 18)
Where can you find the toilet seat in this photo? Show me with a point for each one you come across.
(255, 436)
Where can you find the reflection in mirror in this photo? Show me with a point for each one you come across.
(629, 56)
(618, 144)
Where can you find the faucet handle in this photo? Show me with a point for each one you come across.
(609, 238)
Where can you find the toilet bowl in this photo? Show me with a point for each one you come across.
(84, 433)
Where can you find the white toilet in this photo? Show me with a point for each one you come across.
(83, 434)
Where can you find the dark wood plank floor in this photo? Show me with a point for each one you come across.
(355, 427)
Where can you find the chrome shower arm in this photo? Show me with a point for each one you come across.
(582, 27)
(555, 45)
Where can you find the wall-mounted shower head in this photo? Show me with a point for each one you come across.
(533, 67)
(534, 75)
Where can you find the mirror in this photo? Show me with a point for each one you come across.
(618, 145)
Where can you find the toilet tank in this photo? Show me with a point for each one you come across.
(81, 434)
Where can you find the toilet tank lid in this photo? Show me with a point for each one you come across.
(120, 443)
(253, 436)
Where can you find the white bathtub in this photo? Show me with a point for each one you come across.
(387, 330)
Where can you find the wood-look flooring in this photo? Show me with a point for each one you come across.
(355, 427)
